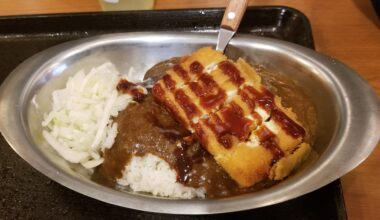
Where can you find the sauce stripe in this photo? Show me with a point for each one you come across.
(169, 82)
(232, 72)
(181, 72)
(186, 104)
(208, 91)
(265, 100)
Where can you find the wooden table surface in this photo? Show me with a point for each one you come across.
(348, 30)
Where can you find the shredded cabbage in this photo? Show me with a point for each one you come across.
(79, 126)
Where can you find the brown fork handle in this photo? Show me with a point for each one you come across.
(233, 14)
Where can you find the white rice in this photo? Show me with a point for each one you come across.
(79, 126)
(153, 175)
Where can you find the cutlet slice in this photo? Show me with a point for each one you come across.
(235, 118)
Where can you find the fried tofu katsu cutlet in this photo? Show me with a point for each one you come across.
(237, 120)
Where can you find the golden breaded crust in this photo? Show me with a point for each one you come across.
(236, 119)
(285, 165)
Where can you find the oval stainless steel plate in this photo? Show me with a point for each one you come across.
(348, 111)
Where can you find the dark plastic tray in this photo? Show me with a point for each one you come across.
(27, 194)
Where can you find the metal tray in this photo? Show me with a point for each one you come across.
(28, 194)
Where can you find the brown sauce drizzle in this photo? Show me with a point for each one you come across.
(226, 140)
(220, 130)
(268, 140)
(234, 124)
(210, 94)
(234, 119)
(158, 92)
(249, 101)
(169, 82)
(196, 67)
(212, 101)
(181, 72)
(290, 127)
(232, 72)
(186, 104)
(126, 87)
(197, 89)
(264, 99)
